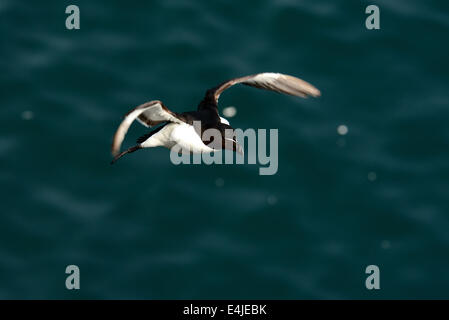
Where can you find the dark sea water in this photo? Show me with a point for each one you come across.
(147, 229)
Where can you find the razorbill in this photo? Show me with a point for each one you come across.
(180, 129)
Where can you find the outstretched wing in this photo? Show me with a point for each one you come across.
(269, 81)
(149, 114)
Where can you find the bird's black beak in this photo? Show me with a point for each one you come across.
(233, 145)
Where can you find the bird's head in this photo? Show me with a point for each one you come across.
(229, 140)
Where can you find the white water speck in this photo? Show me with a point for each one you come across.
(372, 176)
(219, 182)
(272, 200)
(342, 130)
(27, 115)
(385, 244)
(229, 111)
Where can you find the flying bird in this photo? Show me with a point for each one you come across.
(179, 129)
